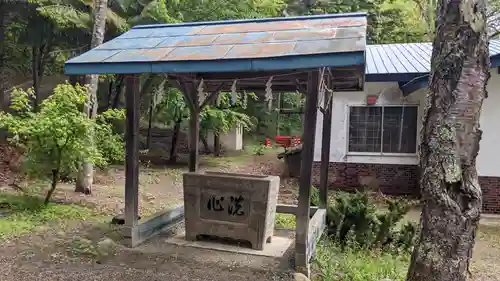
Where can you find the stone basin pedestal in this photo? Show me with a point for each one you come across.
(236, 206)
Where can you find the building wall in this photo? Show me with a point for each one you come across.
(230, 141)
(398, 174)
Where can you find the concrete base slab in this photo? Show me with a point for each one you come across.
(277, 248)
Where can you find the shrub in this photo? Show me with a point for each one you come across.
(258, 149)
(59, 137)
(354, 220)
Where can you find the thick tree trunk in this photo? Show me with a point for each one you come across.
(450, 143)
(85, 176)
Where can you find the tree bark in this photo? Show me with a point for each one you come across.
(3, 67)
(85, 176)
(120, 92)
(217, 146)
(204, 141)
(175, 141)
(4, 85)
(450, 139)
(150, 122)
(37, 72)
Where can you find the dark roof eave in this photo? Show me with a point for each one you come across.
(232, 65)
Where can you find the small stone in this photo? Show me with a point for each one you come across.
(300, 277)
(120, 219)
(106, 247)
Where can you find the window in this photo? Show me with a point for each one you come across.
(383, 129)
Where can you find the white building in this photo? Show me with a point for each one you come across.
(379, 142)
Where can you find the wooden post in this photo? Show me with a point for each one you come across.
(302, 220)
(132, 155)
(325, 147)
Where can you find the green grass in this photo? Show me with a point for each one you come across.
(285, 221)
(332, 264)
(22, 214)
(237, 157)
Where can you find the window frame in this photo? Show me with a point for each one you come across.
(381, 153)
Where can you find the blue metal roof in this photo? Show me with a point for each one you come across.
(231, 46)
(404, 62)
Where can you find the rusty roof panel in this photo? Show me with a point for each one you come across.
(136, 33)
(135, 43)
(336, 22)
(301, 35)
(243, 38)
(95, 56)
(141, 55)
(260, 50)
(175, 31)
(198, 53)
(353, 32)
(185, 41)
(329, 46)
(253, 27)
(238, 41)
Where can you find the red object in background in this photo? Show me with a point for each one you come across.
(287, 141)
(295, 141)
(371, 100)
(284, 141)
(267, 142)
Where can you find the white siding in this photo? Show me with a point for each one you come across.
(488, 162)
(231, 141)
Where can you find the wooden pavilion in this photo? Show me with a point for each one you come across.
(314, 55)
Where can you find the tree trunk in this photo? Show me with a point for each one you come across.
(36, 75)
(204, 141)
(175, 141)
(450, 134)
(4, 85)
(150, 123)
(85, 176)
(216, 145)
(55, 179)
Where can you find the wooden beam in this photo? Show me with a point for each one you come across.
(132, 154)
(325, 146)
(301, 239)
(251, 75)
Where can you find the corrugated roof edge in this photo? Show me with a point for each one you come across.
(323, 16)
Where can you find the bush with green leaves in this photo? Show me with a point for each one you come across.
(258, 149)
(59, 137)
(355, 220)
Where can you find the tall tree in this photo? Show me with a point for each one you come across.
(449, 145)
(86, 175)
(3, 67)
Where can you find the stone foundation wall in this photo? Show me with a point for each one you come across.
(395, 180)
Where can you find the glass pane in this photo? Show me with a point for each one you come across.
(365, 129)
(400, 129)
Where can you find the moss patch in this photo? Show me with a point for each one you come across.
(21, 214)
